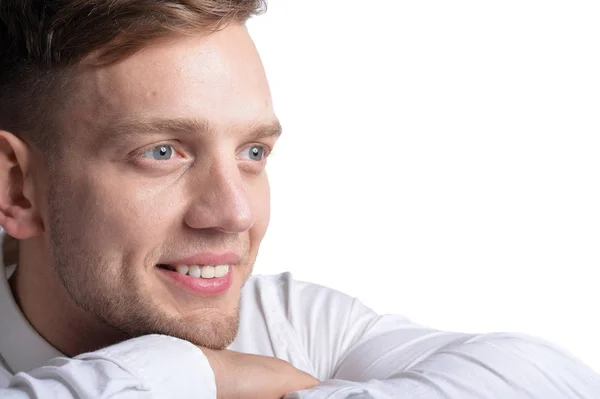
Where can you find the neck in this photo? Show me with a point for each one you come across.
(51, 311)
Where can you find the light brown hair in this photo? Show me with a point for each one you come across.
(41, 40)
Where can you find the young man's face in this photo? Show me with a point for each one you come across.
(163, 162)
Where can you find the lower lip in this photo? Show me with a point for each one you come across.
(201, 286)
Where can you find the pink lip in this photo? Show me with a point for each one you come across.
(207, 258)
(200, 286)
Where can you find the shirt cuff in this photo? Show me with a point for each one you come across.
(340, 389)
(164, 365)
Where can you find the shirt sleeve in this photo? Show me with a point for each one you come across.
(360, 355)
(153, 366)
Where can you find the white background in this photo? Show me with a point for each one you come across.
(441, 159)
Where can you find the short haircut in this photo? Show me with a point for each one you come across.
(42, 40)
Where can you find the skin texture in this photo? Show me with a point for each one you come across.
(94, 228)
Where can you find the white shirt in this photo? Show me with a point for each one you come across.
(355, 352)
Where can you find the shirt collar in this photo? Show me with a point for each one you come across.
(21, 346)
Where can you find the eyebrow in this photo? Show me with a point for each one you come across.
(126, 128)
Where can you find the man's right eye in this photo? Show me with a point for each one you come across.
(162, 152)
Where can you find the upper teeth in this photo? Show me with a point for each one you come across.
(198, 271)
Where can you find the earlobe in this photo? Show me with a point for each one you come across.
(18, 215)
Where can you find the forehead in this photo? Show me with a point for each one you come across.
(218, 77)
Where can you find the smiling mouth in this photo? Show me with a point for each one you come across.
(198, 271)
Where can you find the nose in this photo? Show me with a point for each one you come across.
(221, 201)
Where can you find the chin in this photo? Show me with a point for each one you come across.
(215, 333)
(210, 327)
(210, 322)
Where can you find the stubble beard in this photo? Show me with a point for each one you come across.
(115, 297)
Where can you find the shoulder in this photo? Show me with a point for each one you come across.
(290, 293)
(312, 310)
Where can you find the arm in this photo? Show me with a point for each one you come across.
(362, 355)
(147, 367)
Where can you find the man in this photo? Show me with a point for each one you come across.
(134, 136)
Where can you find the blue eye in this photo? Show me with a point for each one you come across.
(255, 153)
(160, 152)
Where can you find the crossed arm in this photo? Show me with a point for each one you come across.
(356, 354)
(391, 357)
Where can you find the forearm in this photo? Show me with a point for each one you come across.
(486, 366)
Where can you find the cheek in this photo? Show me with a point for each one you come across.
(261, 200)
(145, 219)
(121, 216)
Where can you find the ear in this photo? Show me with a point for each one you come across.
(18, 215)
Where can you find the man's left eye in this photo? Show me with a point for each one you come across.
(254, 153)
(161, 152)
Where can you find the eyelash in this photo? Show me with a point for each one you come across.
(140, 154)
(266, 149)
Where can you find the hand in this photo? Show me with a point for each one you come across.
(243, 376)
